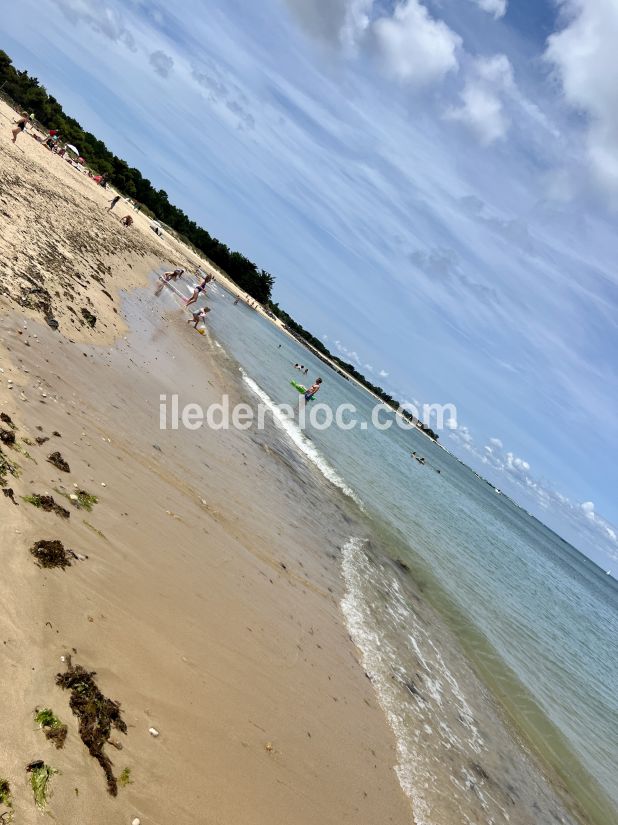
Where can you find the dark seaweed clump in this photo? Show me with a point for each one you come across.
(89, 318)
(7, 467)
(96, 713)
(48, 504)
(58, 461)
(51, 553)
(7, 437)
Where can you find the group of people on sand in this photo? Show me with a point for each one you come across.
(199, 289)
(200, 314)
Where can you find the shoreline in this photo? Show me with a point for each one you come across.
(182, 604)
(178, 542)
(206, 616)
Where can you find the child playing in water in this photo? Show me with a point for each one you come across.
(198, 316)
(199, 289)
(174, 275)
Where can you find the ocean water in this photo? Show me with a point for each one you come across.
(528, 625)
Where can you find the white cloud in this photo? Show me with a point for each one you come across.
(495, 7)
(414, 47)
(482, 106)
(162, 63)
(225, 94)
(101, 17)
(383, 374)
(584, 56)
(348, 353)
(355, 23)
(582, 516)
(588, 510)
(461, 433)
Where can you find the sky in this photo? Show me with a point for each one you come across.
(433, 183)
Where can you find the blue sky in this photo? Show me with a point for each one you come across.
(434, 184)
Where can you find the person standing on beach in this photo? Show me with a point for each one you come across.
(199, 289)
(113, 203)
(21, 125)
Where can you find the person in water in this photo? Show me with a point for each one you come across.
(198, 316)
(199, 289)
(174, 275)
(311, 392)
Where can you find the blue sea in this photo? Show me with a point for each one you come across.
(474, 621)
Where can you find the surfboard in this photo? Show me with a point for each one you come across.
(300, 388)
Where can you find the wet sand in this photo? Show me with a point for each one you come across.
(208, 603)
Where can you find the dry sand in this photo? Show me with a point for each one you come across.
(209, 601)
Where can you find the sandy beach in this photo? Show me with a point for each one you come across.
(203, 591)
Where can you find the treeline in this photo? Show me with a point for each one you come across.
(31, 96)
(305, 336)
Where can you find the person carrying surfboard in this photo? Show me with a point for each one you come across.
(311, 392)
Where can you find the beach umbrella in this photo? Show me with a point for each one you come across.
(72, 148)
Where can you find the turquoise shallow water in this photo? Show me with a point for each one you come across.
(536, 618)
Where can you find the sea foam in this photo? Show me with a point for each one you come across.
(387, 633)
(300, 440)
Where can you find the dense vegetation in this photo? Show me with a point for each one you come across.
(30, 95)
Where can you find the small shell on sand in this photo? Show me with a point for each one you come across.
(153, 731)
(135, 821)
